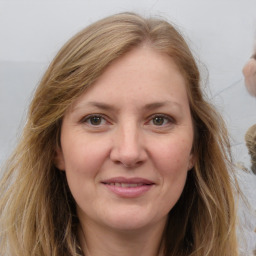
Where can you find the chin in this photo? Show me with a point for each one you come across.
(133, 221)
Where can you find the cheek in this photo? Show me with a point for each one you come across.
(173, 156)
(83, 156)
(83, 163)
(171, 163)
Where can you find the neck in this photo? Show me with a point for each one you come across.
(98, 241)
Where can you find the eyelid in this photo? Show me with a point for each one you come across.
(87, 117)
(168, 117)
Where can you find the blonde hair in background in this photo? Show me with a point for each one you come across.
(38, 215)
(250, 139)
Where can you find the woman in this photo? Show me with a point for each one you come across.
(121, 154)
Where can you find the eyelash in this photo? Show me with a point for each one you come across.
(165, 118)
(88, 119)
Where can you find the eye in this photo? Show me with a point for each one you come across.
(94, 120)
(160, 120)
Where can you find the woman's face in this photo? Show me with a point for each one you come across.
(126, 143)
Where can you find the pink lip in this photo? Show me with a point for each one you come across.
(128, 187)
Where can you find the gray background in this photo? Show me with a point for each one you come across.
(221, 34)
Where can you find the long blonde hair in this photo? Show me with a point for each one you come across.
(38, 215)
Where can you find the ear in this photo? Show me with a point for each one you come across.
(191, 161)
(59, 159)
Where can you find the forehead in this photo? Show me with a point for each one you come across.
(142, 73)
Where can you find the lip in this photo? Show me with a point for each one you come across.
(128, 187)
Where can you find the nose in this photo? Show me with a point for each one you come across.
(128, 148)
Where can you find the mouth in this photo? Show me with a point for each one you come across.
(125, 185)
(128, 187)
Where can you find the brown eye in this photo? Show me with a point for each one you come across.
(95, 120)
(159, 120)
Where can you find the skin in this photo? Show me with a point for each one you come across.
(134, 122)
(249, 72)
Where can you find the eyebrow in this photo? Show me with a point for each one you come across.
(99, 105)
(149, 106)
(155, 105)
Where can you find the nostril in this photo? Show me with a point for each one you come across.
(133, 164)
(127, 151)
(129, 165)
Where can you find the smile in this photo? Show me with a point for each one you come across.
(128, 187)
